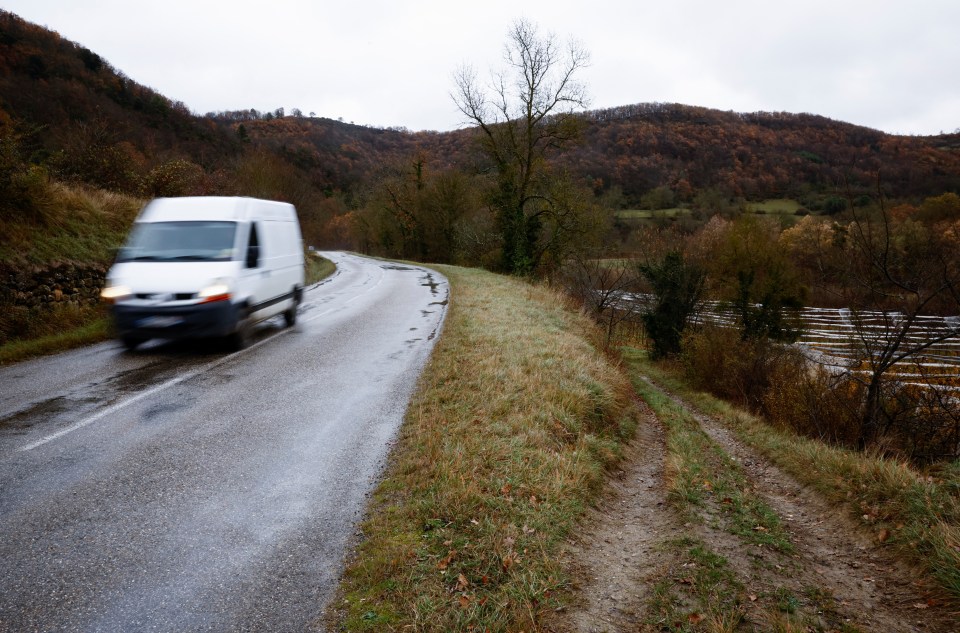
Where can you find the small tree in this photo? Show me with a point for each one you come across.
(757, 280)
(602, 287)
(677, 289)
(526, 114)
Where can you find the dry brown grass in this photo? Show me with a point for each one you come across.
(76, 224)
(506, 441)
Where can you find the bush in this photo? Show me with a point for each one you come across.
(813, 401)
(778, 382)
(720, 361)
(176, 178)
(677, 288)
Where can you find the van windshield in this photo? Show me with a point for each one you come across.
(179, 241)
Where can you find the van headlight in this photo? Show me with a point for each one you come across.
(112, 294)
(219, 290)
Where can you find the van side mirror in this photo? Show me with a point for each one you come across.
(253, 256)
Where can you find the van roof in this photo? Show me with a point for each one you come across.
(215, 208)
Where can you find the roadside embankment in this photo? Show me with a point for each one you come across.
(516, 419)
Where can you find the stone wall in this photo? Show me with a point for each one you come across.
(62, 283)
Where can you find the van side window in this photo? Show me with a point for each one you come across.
(253, 248)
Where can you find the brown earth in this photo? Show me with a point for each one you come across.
(838, 577)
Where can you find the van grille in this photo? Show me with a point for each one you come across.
(179, 296)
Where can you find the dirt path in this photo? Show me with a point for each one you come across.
(836, 578)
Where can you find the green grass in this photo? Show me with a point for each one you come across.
(317, 268)
(92, 330)
(77, 224)
(699, 589)
(781, 206)
(516, 419)
(649, 214)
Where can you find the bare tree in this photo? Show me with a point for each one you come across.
(524, 114)
(899, 273)
(604, 288)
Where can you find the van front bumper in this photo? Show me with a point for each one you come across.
(218, 318)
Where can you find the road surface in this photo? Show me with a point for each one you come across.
(180, 488)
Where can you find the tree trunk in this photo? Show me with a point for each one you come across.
(870, 421)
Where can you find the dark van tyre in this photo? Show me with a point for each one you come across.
(290, 315)
(131, 343)
(241, 338)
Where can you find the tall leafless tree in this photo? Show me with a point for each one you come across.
(524, 114)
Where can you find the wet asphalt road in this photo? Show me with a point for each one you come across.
(180, 488)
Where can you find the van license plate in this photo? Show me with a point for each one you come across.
(160, 321)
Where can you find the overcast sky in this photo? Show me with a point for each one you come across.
(889, 65)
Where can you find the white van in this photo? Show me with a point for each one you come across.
(206, 266)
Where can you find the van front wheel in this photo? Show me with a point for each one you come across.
(130, 343)
(241, 338)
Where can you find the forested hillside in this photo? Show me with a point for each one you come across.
(68, 115)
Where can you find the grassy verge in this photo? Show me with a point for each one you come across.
(94, 327)
(917, 512)
(506, 441)
(317, 268)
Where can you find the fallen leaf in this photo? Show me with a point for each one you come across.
(506, 489)
(753, 597)
(883, 535)
(464, 601)
(707, 485)
(462, 582)
(726, 500)
(696, 618)
(921, 605)
(686, 581)
(445, 562)
(759, 528)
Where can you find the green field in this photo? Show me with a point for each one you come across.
(784, 206)
(649, 214)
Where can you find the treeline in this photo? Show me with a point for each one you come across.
(886, 267)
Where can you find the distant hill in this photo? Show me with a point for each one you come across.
(758, 155)
(71, 110)
(58, 91)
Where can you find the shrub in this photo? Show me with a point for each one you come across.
(720, 361)
(814, 402)
(677, 288)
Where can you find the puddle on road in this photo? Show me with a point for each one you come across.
(430, 283)
(42, 412)
(158, 410)
(395, 267)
